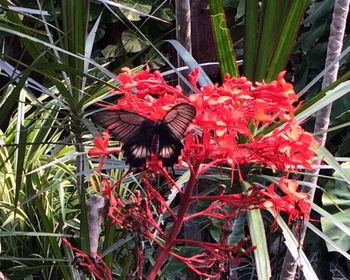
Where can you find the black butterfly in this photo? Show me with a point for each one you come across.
(141, 136)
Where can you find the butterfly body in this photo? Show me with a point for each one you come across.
(141, 136)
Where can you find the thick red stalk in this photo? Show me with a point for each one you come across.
(171, 238)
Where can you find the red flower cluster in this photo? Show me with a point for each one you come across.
(287, 148)
(147, 94)
(230, 116)
(226, 131)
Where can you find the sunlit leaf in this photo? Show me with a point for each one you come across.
(134, 16)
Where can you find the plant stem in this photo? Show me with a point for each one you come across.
(170, 240)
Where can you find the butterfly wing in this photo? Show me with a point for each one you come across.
(139, 134)
(135, 131)
(179, 118)
(169, 147)
(172, 130)
(123, 125)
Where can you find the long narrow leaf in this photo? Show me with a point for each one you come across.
(267, 33)
(203, 78)
(223, 41)
(258, 237)
(287, 38)
(250, 37)
(330, 97)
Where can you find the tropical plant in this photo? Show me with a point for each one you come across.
(53, 195)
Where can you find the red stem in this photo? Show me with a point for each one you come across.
(171, 238)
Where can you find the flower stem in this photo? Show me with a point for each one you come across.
(171, 238)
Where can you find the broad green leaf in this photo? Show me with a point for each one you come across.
(133, 15)
(110, 51)
(132, 42)
(127, 5)
(152, 59)
(337, 197)
(329, 242)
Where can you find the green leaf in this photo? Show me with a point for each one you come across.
(132, 42)
(192, 64)
(8, 99)
(250, 39)
(258, 237)
(154, 60)
(137, 9)
(223, 41)
(21, 136)
(236, 230)
(270, 31)
(166, 14)
(331, 161)
(47, 225)
(286, 39)
(110, 51)
(330, 97)
(337, 196)
(267, 34)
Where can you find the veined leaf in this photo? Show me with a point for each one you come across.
(132, 42)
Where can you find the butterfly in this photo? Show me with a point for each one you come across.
(141, 136)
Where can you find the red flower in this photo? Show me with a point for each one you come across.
(101, 149)
(289, 187)
(293, 203)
